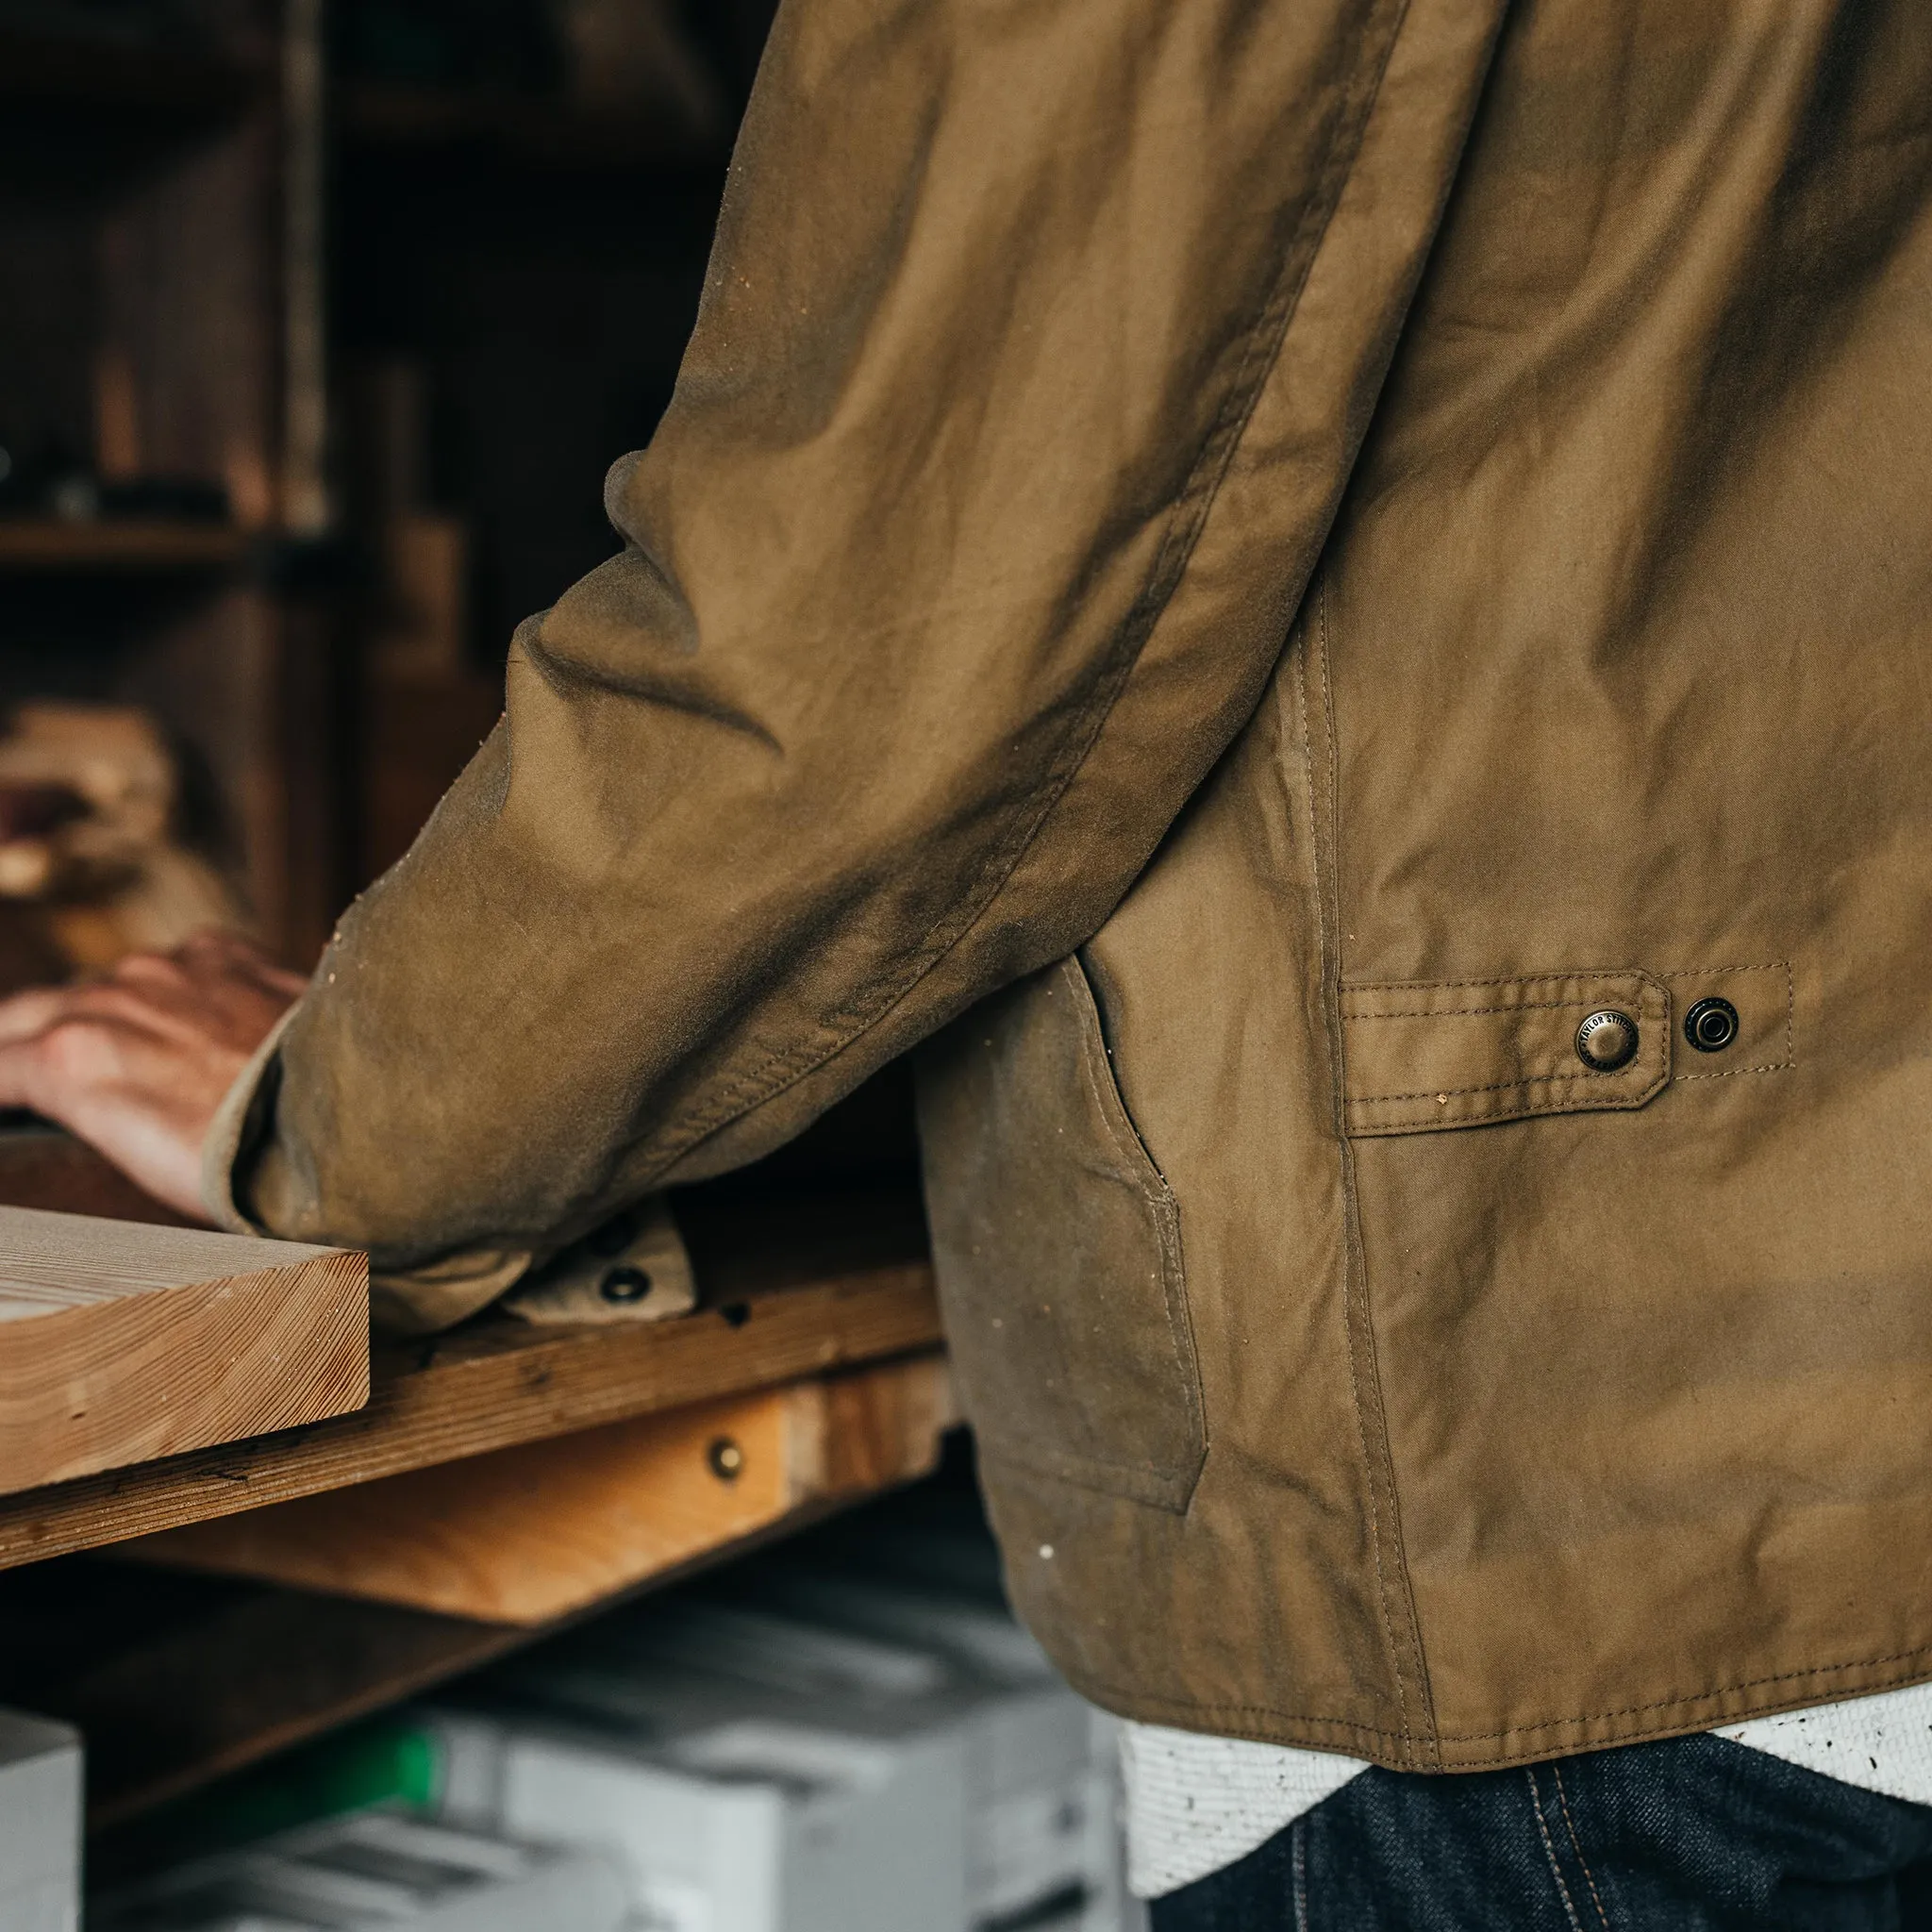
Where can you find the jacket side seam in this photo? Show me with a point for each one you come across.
(1332, 1031)
(1365, 1384)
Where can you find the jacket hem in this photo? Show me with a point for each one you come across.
(1525, 1743)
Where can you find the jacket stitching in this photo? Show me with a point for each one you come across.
(1333, 1031)
(1133, 1155)
(1465, 1013)
(1703, 972)
(1075, 1465)
(1791, 1058)
(1335, 1074)
(1576, 1845)
(1558, 1006)
(1147, 1486)
(1590, 1717)
(1330, 1014)
(1542, 1826)
(1125, 1696)
(1507, 1086)
(1591, 977)
(1378, 1469)
(1602, 979)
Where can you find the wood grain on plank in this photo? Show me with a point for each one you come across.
(122, 1341)
(534, 1533)
(490, 1386)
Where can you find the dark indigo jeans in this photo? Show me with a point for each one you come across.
(1692, 1835)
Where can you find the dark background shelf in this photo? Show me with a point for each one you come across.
(122, 75)
(136, 546)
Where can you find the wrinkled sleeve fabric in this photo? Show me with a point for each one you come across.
(1036, 341)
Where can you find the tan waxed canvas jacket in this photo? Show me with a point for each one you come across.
(1240, 569)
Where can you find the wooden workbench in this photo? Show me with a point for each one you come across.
(429, 1532)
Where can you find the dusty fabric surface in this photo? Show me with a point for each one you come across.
(1290, 563)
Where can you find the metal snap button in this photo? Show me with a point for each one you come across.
(624, 1285)
(1606, 1041)
(1711, 1024)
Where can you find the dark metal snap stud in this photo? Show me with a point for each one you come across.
(726, 1459)
(1711, 1024)
(1606, 1041)
(624, 1285)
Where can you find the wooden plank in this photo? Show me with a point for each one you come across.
(121, 1342)
(534, 1533)
(256, 1668)
(497, 1383)
(178, 1678)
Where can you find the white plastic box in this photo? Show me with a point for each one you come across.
(40, 1825)
(843, 1754)
(378, 1873)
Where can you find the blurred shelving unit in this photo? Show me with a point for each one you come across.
(517, 131)
(516, 260)
(166, 83)
(317, 335)
(394, 280)
(151, 211)
(134, 545)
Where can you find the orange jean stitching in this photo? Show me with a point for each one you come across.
(1536, 1799)
(1576, 1844)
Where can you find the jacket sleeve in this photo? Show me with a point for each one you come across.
(1036, 345)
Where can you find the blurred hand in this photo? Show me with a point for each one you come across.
(136, 1063)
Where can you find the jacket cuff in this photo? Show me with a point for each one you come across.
(407, 1300)
(440, 1293)
(237, 1130)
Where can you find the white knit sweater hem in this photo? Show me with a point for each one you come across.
(1196, 1804)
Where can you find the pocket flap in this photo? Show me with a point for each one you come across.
(1425, 1055)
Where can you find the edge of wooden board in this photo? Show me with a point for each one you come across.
(488, 1387)
(544, 1530)
(123, 1343)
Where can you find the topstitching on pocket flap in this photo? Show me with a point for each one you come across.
(1425, 1055)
